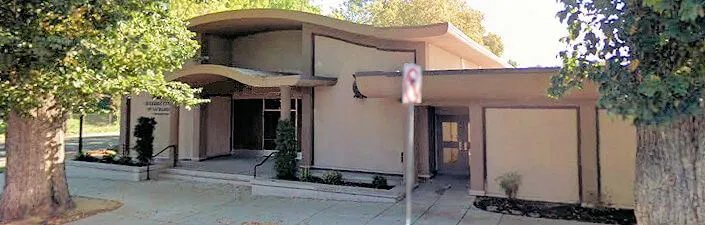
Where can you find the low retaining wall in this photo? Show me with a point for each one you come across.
(112, 171)
(283, 188)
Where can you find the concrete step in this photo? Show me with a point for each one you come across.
(204, 176)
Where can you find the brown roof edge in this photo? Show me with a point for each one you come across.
(517, 71)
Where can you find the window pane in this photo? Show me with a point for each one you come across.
(270, 124)
(450, 131)
(272, 103)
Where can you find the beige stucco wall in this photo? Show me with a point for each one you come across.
(219, 49)
(189, 128)
(618, 143)
(350, 133)
(539, 144)
(275, 51)
(143, 105)
(440, 59)
(217, 133)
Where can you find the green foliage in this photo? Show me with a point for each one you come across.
(513, 63)
(186, 9)
(510, 182)
(287, 147)
(645, 56)
(78, 52)
(85, 157)
(379, 182)
(144, 132)
(3, 127)
(333, 177)
(420, 12)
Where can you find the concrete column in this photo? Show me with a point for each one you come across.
(307, 127)
(174, 134)
(588, 154)
(477, 150)
(285, 92)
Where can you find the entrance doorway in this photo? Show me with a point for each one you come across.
(453, 149)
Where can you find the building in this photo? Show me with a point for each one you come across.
(340, 83)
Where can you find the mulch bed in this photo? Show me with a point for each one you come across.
(551, 210)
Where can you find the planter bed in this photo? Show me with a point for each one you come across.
(111, 171)
(555, 210)
(297, 189)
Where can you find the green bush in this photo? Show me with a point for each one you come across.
(125, 160)
(144, 132)
(333, 177)
(379, 182)
(109, 158)
(510, 182)
(287, 147)
(82, 156)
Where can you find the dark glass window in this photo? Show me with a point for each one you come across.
(272, 104)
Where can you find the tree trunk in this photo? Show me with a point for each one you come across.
(35, 182)
(670, 179)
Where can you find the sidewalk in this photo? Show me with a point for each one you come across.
(185, 202)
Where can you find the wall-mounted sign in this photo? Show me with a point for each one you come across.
(158, 107)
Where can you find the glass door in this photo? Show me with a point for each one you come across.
(454, 146)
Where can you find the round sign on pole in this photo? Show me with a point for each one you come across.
(411, 84)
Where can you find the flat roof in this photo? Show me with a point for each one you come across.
(504, 71)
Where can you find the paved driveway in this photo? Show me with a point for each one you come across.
(185, 202)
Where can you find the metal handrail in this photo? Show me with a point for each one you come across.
(160, 152)
(261, 163)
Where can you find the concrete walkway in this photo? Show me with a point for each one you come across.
(186, 202)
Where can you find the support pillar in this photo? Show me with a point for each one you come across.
(174, 135)
(285, 96)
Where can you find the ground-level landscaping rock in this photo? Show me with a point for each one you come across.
(555, 210)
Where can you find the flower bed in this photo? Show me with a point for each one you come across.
(299, 189)
(555, 210)
(103, 164)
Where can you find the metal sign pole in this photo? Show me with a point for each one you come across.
(409, 159)
(411, 95)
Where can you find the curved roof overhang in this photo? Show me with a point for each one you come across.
(478, 84)
(243, 22)
(250, 77)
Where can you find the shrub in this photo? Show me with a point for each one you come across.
(109, 158)
(287, 146)
(82, 156)
(144, 132)
(510, 182)
(124, 160)
(305, 175)
(379, 182)
(333, 177)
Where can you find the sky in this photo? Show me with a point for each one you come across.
(529, 28)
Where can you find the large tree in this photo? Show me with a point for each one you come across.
(648, 58)
(421, 12)
(186, 9)
(59, 57)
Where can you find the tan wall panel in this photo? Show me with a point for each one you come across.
(276, 51)
(439, 59)
(143, 105)
(540, 144)
(219, 50)
(618, 143)
(352, 133)
(189, 124)
(217, 126)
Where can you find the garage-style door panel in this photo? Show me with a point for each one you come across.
(541, 144)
